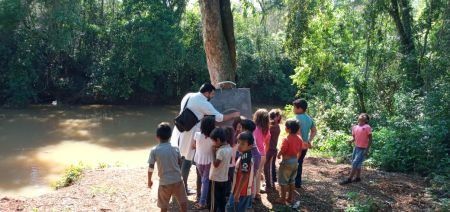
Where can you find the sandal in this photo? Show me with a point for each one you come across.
(345, 182)
(197, 206)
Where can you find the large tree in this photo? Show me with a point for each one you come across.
(218, 38)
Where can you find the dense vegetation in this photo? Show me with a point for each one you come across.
(388, 58)
(136, 51)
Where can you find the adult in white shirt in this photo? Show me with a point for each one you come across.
(199, 104)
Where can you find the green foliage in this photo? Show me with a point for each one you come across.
(71, 175)
(360, 204)
(352, 57)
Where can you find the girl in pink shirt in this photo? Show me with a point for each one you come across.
(362, 136)
(262, 139)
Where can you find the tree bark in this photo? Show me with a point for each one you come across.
(400, 11)
(218, 39)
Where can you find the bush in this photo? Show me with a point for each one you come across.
(360, 204)
(71, 175)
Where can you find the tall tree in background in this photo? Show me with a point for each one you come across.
(218, 38)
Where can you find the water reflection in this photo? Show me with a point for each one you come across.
(37, 143)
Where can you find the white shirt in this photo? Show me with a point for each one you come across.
(220, 173)
(203, 149)
(201, 107)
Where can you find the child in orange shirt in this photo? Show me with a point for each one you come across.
(290, 151)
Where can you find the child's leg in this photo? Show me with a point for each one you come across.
(205, 184)
(164, 195)
(290, 196)
(259, 175)
(274, 168)
(219, 195)
(267, 169)
(179, 193)
(358, 173)
(298, 178)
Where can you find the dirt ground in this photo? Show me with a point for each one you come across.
(124, 189)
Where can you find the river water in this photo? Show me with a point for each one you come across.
(38, 143)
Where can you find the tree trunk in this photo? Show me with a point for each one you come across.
(219, 41)
(400, 11)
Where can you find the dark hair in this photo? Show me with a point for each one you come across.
(261, 119)
(293, 125)
(218, 133)
(367, 117)
(248, 124)
(273, 114)
(207, 87)
(164, 131)
(236, 121)
(207, 125)
(301, 103)
(248, 137)
(229, 136)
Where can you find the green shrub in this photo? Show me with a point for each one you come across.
(359, 203)
(71, 175)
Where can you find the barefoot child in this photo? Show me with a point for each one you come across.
(290, 151)
(168, 160)
(269, 167)
(203, 157)
(241, 196)
(362, 136)
(219, 170)
(307, 133)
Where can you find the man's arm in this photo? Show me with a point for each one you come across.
(230, 116)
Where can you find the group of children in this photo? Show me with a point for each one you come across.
(231, 162)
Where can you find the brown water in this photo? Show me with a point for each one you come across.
(36, 144)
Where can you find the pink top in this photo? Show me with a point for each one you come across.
(260, 140)
(361, 135)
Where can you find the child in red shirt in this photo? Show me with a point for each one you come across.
(290, 151)
(362, 136)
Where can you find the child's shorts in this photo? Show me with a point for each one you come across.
(287, 172)
(358, 157)
(165, 192)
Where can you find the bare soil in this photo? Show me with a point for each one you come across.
(125, 189)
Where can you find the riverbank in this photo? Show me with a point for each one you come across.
(124, 189)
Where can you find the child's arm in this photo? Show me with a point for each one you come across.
(216, 158)
(370, 143)
(284, 147)
(151, 166)
(149, 176)
(313, 134)
(243, 179)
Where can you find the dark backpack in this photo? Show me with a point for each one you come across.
(186, 120)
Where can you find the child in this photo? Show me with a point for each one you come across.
(219, 170)
(168, 160)
(307, 126)
(249, 126)
(241, 196)
(231, 140)
(269, 167)
(262, 139)
(290, 150)
(203, 157)
(362, 136)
